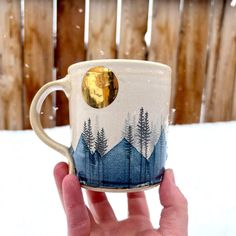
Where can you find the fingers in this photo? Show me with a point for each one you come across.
(78, 220)
(174, 216)
(100, 207)
(137, 204)
(60, 171)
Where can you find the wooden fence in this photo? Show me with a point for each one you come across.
(197, 38)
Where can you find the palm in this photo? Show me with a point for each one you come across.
(136, 225)
(99, 218)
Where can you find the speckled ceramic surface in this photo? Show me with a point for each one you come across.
(118, 119)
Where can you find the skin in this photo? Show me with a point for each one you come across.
(99, 218)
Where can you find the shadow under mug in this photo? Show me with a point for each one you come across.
(118, 119)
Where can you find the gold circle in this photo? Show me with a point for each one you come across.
(99, 87)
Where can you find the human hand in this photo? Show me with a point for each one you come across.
(99, 218)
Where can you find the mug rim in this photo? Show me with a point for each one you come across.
(162, 66)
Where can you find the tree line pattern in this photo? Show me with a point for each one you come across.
(141, 134)
(132, 166)
(99, 143)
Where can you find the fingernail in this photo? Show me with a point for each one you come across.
(172, 176)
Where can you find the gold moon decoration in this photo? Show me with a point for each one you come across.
(99, 87)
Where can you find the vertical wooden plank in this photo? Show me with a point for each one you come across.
(192, 60)
(10, 66)
(233, 115)
(221, 71)
(102, 29)
(38, 55)
(134, 16)
(70, 46)
(165, 36)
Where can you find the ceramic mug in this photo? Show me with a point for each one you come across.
(118, 119)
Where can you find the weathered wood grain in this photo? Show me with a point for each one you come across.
(70, 46)
(102, 29)
(165, 37)
(38, 55)
(191, 65)
(10, 66)
(220, 84)
(133, 28)
(233, 115)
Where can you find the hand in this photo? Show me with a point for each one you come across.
(99, 218)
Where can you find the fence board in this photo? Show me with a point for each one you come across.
(134, 16)
(70, 46)
(222, 65)
(191, 60)
(102, 29)
(10, 66)
(38, 55)
(233, 117)
(165, 36)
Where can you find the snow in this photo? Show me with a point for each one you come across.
(203, 157)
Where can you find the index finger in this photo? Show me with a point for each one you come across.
(174, 216)
(60, 171)
(78, 219)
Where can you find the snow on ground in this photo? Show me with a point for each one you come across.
(203, 157)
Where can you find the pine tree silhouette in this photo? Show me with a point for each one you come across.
(140, 136)
(126, 125)
(140, 129)
(88, 140)
(98, 142)
(146, 141)
(89, 136)
(103, 142)
(98, 149)
(144, 137)
(84, 140)
(130, 137)
(162, 147)
(147, 134)
(101, 148)
(128, 148)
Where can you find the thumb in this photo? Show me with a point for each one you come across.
(174, 216)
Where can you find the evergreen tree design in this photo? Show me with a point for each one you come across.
(84, 140)
(143, 132)
(129, 136)
(134, 125)
(101, 142)
(98, 142)
(89, 142)
(89, 136)
(144, 138)
(101, 148)
(147, 134)
(126, 125)
(146, 141)
(140, 129)
(128, 149)
(134, 167)
(140, 136)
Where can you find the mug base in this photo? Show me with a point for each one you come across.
(120, 190)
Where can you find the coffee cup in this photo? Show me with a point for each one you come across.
(118, 118)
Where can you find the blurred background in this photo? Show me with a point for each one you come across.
(40, 39)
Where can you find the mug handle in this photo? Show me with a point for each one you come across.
(35, 111)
